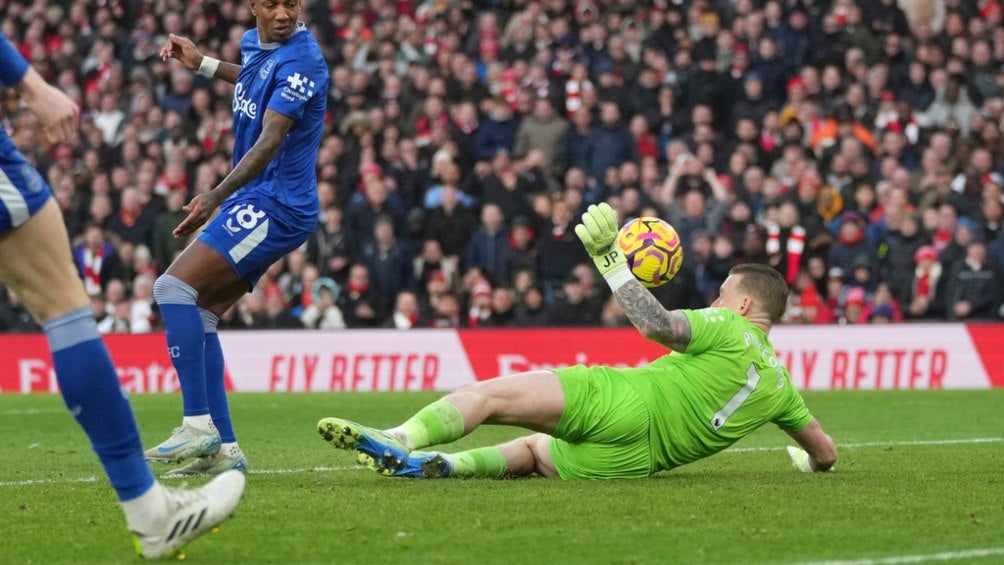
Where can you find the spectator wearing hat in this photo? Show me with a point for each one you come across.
(926, 297)
(836, 289)
(322, 313)
(883, 305)
(373, 200)
(964, 232)
(811, 309)
(973, 289)
(852, 241)
(480, 308)
(855, 302)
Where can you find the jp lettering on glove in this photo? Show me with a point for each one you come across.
(598, 233)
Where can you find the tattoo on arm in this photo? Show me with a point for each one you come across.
(668, 327)
(275, 126)
(228, 72)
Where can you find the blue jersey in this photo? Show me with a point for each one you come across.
(23, 191)
(290, 78)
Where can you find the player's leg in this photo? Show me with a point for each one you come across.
(520, 457)
(242, 242)
(50, 288)
(48, 284)
(199, 270)
(230, 455)
(533, 400)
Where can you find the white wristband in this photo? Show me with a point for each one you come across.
(618, 277)
(208, 67)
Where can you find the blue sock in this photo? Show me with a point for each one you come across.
(186, 342)
(92, 392)
(216, 389)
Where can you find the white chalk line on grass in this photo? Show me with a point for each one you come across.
(292, 471)
(920, 442)
(943, 556)
(30, 482)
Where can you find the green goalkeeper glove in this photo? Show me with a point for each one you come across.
(598, 232)
(799, 459)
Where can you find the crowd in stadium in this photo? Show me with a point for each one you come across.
(855, 145)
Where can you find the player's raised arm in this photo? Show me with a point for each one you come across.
(55, 110)
(182, 49)
(274, 128)
(598, 231)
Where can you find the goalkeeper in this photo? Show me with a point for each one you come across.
(721, 382)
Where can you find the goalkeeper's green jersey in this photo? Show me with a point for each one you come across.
(727, 384)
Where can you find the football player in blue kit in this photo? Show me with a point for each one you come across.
(35, 263)
(267, 205)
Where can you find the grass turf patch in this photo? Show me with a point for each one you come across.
(307, 503)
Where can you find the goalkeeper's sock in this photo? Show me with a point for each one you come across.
(439, 422)
(486, 462)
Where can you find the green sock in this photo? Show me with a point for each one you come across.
(439, 422)
(482, 462)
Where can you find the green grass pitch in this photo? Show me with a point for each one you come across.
(896, 492)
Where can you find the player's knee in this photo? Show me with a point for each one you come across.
(168, 289)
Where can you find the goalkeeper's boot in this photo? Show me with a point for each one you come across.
(183, 514)
(433, 465)
(389, 456)
(212, 465)
(185, 442)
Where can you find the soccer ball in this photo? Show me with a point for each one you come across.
(653, 250)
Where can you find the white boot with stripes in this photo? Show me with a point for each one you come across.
(164, 519)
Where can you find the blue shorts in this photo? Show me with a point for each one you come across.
(23, 192)
(251, 236)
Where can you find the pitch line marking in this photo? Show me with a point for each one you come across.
(882, 444)
(29, 482)
(943, 556)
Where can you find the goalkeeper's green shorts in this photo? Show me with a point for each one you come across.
(603, 432)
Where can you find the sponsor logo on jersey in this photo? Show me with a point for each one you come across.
(244, 105)
(298, 87)
(266, 69)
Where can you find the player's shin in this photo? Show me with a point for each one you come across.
(484, 462)
(90, 387)
(437, 423)
(185, 340)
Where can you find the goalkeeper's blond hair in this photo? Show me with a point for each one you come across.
(767, 286)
